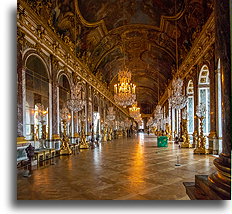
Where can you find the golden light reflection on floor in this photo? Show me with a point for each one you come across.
(122, 169)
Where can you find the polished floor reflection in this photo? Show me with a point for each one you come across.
(123, 169)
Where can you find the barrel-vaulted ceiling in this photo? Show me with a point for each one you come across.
(105, 34)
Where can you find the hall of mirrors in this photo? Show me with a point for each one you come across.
(129, 88)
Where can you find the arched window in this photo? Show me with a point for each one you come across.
(190, 107)
(204, 97)
(219, 104)
(37, 91)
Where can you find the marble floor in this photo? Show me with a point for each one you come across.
(123, 169)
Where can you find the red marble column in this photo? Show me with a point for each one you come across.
(220, 181)
(55, 112)
(195, 98)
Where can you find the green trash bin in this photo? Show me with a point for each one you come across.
(162, 141)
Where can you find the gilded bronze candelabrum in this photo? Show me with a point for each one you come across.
(186, 140)
(195, 139)
(65, 147)
(110, 132)
(104, 139)
(200, 148)
(41, 117)
(83, 143)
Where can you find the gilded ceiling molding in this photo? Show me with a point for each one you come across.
(200, 47)
(28, 24)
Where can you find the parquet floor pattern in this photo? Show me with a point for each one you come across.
(123, 169)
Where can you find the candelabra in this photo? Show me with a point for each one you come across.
(83, 143)
(186, 140)
(41, 113)
(110, 133)
(65, 148)
(200, 148)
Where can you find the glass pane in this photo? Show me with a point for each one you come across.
(190, 115)
(208, 109)
(203, 101)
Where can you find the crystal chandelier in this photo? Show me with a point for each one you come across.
(76, 103)
(177, 100)
(111, 114)
(127, 123)
(150, 122)
(158, 112)
(138, 118)
(124, 91)
(64, 113)
(134, 110)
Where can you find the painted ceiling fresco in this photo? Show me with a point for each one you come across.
(105, 34)
(120, 12)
